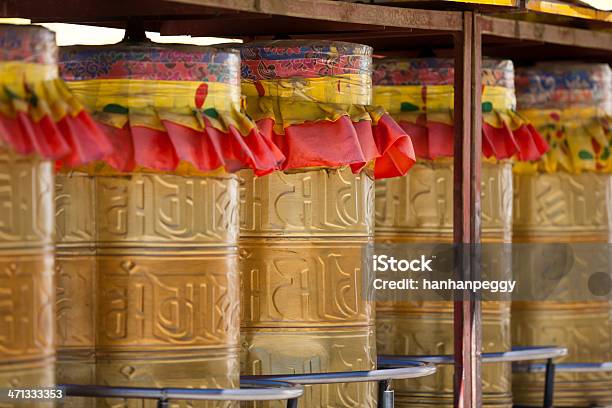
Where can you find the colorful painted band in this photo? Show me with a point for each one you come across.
(580, 139)
(148, 103)
(340, 89)
(426, 114)
(346, 143)
(560, 86)
(39, 115)
(177, 126)
(438, 71)
(428, 98)
(303, 59)
(149, 61)
(12, 72)
(31, 43)
(312, 101)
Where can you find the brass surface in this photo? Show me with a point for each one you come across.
(27, 354)
(323, 203)
(148, 290)
(427, 328)
(314, 350)
(561, 208)
(303, 283)
(147, 210)
(300, 261)
(418, 208)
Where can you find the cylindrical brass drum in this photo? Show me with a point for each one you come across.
(418, 208)
(148, 280)
(75, 281)
(302, 232)
(27, 330)
(38, 116)
(564, 208)
(303, 308)
(565, 198)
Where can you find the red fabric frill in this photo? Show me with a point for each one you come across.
(434, 139)
(74, 140)
(206, 150)
(343, 142)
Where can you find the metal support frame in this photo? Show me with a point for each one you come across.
(466, 210)
(251, 390)
(386, 396)
(551, 368)
(517, 354)
(549, 385)
(264, 387)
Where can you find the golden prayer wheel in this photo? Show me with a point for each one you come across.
(38, 116)
(26, 272)
(418, 208)
(75, 281)
(302, 305)
(303, 231)
(147, 254)
(147, 280)
(565, 198)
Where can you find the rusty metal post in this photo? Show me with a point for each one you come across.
(466, 212)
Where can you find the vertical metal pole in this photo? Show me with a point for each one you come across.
(549, 385)
(466, 211)
(292, 403)
(386, 396)
(162, 403)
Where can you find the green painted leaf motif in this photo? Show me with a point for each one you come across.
(10, 94)
(33, 99)
(605, 154)
(115, 108)
(584, 155)
(487, 107)
(408, 107)
(212, 112)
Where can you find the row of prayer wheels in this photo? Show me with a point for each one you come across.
(565, 198)
(211, 207)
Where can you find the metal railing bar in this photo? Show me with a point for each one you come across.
(565, 367)
(514, 356)
(409, 369)
(517, 354)
(253, 390)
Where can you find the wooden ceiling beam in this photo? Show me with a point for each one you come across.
(342, 12)
(546, 33)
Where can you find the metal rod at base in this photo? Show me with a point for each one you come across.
(386, 395)
(549, 385)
